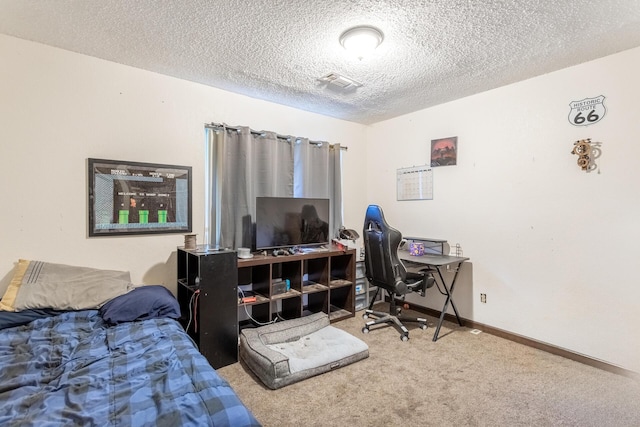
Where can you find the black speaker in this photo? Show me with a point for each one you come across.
(218, 307)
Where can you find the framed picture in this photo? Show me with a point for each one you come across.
(444, 151)
(138, 198)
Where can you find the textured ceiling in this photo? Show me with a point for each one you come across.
(434, 51)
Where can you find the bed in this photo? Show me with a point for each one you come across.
(126, 363)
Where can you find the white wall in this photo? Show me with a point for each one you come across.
(59, 108)
(553, 247)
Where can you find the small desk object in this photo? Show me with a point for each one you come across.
(440, 264)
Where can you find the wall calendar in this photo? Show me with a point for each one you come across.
(415, 183)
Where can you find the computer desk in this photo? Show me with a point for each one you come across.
(439, 264)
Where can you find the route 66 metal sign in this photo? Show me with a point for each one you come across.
(587, 112)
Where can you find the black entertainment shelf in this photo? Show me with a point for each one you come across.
(208, 282)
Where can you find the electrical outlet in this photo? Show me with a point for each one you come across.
(483, 298)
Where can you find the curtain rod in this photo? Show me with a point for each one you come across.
(255, 132)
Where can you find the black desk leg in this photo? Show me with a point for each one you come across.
(449, 299)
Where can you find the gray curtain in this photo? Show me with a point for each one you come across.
(243, 164)
(318, 175)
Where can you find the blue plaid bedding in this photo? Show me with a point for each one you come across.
(73, 369)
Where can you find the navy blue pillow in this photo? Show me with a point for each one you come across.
(145, 302)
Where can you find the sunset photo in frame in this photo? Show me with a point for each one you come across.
(444, 151)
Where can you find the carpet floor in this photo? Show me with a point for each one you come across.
(463, 379)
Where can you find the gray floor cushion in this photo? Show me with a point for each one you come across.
(292, 350)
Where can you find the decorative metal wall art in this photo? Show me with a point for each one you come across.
(587, 152)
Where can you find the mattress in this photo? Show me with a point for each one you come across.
(74, 369)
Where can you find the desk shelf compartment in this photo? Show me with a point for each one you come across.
(259, 300)
(287, 308)
(256, 280)
(341, 302)
(316, 271)
(316, 302)
(309, 287)
(336, 313)
(342, 285)
(342, 271)
(287, 305)
(315, 297)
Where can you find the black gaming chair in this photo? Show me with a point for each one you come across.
(384, 269)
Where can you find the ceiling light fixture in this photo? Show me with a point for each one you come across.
(361, 40)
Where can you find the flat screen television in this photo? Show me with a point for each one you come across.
(290, 221)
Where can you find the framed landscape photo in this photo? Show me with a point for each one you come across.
(138, 198)
(444, 151)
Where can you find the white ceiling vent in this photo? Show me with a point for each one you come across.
(340, 81)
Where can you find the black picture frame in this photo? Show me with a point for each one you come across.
(128, 198)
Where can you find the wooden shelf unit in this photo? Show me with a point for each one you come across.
(209, 296)
(321, 281)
